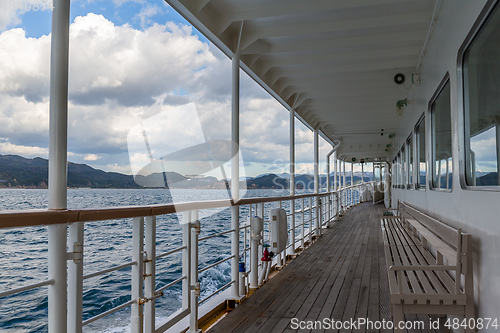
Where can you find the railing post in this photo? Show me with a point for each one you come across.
(137, 274)
(75, 278)
(302, 229)
(292, 224)
(57, 271)
(318, 217)
(195, 285)
(149, 281)
(260, 213)
(186, 260)
(235, 252)
(337, 199)
(254, 258)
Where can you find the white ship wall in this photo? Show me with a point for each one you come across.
(476, 212)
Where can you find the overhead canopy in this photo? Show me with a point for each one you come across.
(336, 58)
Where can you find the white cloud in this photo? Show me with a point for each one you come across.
(92, 157)
(146, 13)
(8, 15)
(120, 76)
(27, 151)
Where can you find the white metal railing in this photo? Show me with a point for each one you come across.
(308, 214)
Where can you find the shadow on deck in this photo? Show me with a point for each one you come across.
(342, 276)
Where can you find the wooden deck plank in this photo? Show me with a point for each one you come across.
(343, 275)
(283, 307)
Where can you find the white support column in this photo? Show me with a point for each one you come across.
(58, 136)
(136, 324)
(335, 172)
(363, 172)
(292, 178)
(497, 132)
(352, 184)
(150, 280)
(235, 175)
(75, 278)
(335, 184)
(316, 181)
(344, 192)
(316, 160)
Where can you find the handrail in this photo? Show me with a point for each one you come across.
(26, 218)
(110, 311)
(25, 288)
(109, 270)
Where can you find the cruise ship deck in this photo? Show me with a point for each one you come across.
(342, 276)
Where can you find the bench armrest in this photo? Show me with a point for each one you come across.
(422, 268)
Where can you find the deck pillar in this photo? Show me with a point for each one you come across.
(292, 177)
(235, 174)
(58, 142)
(317, 225)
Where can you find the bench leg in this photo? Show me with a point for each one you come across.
(469, 313)
(397, 317)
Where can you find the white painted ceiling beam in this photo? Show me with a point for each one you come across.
(328, 58)
(328, 43)
(294, 28)
(274, 74)
(279, 8)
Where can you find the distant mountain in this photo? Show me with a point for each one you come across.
(301, 181)
(17, 171)
(490, 179)
(267, 181)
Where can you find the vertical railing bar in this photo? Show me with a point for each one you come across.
(302, 242)
(186, 260)
(137, 274)
(75, 278)
(150, 279)
(195, 285)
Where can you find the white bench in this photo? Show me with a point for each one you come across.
(426, 261)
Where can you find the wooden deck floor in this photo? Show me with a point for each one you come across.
(341, 276)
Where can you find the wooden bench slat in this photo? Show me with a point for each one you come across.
(448, 233)
(436, 283)
(446, 250)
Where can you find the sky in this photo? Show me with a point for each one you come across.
(131, 60)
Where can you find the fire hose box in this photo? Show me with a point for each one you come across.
(279, 232)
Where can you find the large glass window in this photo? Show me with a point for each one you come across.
(441, 139)
(409, 144)
(420, 155)
(404, 168)
(482, 104)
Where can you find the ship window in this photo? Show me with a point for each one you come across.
(441, 138)
(420, 155)
(403, 167)
(395, 172)
(481, 74)
(409, 144)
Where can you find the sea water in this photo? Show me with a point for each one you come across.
(23, 255)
